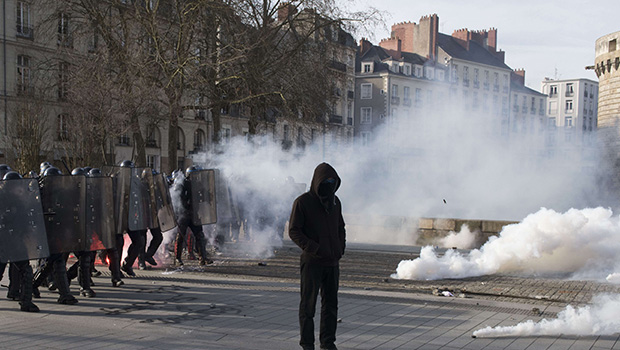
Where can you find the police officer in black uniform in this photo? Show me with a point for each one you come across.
(185, 221)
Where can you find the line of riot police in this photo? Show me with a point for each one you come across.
(51, 215)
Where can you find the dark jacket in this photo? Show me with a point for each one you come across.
(316, 227)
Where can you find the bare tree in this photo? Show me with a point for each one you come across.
(29, 127)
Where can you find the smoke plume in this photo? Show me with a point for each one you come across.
(598, 318)
(583, 243)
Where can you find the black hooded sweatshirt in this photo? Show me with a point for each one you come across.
(316, 224)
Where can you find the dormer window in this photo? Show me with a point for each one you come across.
(407, 69)
(367, 68)
(418, 72)
(428, 73)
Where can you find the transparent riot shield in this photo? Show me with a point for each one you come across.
(147, 180)
(100, 225)
(163, 203)
(122, 185)
(139, 202)
(224, 202)
(62, 198)
(204, 209)
(22, 227)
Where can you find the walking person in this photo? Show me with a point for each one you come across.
(316, 225)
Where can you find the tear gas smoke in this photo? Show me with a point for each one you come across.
(463, 239)
(599, 318)
(432, 163)
(583, 243)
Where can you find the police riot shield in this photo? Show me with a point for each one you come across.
(62, 198)
(139, 201)
(204, 209)
(163, 203)
(224, 201)
(22, 227)
(122, 185)
(100, 225)
(147, 180)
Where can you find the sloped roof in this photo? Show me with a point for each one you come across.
(516, 87)
(476, 52)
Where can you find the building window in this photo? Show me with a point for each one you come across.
(568, 122)
(541, 107)
(300, 137)
(365, 137)
(428, 73)
(505, 84)
(455, 73)
(366, 91)
(152, 137)
(569, 105)
(569, 89)
(394, 90)
(226, 133)
(23, 75)
(152, 161)
(418, 98)
(553, 90)
(553, 107)
(180, 139)
(24, 27)
(418, 72)
(285, 135)
(465, 76)
(366, 115)
(495, 82)
(312, 135)
(486, 83)
(612, 45)
(63, 131)
(63, 81)
(551, 122)
(367, 67)
(199, 140)
(64, 30)
(476, 81)
(124, 140)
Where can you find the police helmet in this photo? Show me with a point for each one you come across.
(127, 164)
(4, 167)
(191, 169)
(78, 171)
(45, 165)
(95, 172)
(11, 175)
(87, 169)
(51, 171)
(33, 174)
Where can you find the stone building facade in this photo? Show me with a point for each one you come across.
(607, 68)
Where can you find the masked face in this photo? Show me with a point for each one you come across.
(327, 187)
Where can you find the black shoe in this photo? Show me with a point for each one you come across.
(52, 286)
(150, 260)
(178, 261)
(331, 347)
(11, 296)
(141, 265)
(95, 273)
(89, 293)
(67, 300)
(117, 282)
(35, 293)
(307, 347)
(128, 270)
(28, 307)
(206, 261)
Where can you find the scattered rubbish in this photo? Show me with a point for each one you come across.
(386, 280)
(339, 320)
(473, 336)
(454, 248)
(462, 295)
(446, 293)
(367, 288)
(262, 264)
(444, 201)
(540, 297)
(536, 311)
(213, 306)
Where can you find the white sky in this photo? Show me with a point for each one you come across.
(548, 38)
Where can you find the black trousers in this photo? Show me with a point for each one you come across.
(138, 241)
(198, 235)
(114, 257)
(315, 278)
(156, 239)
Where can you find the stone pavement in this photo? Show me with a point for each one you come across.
(185, 310)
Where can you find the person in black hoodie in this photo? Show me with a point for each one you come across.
(317, 227)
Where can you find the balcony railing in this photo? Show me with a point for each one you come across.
(335, 119)
(339, 66)
(395, 100)
(569, 94)
(151, 143)
(23, 31)
(349, 121)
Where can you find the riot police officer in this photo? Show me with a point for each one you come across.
(184, 221)
(56, 265)
(20, 272)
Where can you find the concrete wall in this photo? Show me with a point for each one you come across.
(383, 229)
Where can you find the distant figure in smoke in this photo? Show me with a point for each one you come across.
(185, 221)
(316, 225)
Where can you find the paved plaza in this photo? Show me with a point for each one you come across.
(177, 309)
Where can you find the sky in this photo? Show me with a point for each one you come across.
(551, 38)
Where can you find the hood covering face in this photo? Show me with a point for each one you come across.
(323, 188)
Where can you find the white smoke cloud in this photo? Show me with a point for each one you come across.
(463, 239)
(583, 242)
(599, 318)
